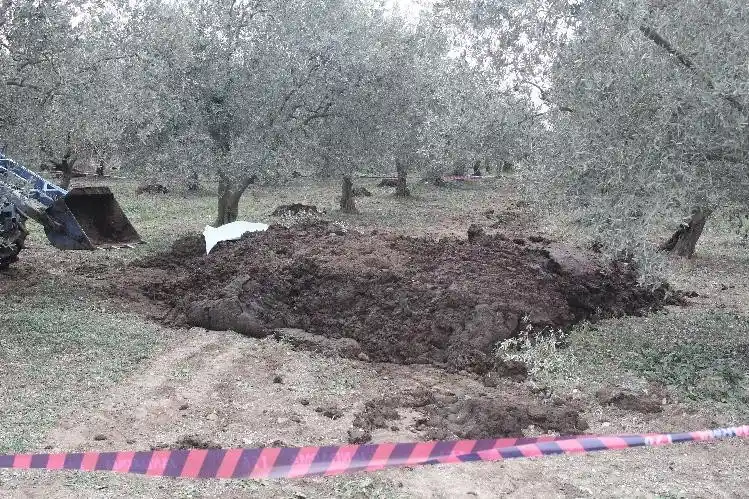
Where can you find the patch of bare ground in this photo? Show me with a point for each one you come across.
(219, 388)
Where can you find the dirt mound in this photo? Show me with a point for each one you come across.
(445, 417)
(152, 189)
(294, 209)
(407, 300)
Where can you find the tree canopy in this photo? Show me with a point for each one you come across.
(625, 114)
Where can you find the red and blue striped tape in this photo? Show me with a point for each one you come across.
(291, 462)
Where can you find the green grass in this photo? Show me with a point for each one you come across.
(697, 370)
(57, 354)
(701, 355)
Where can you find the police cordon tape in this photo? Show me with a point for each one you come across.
(290, 462)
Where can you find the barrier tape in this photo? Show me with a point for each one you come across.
(284, 462)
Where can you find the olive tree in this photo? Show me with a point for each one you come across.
(376, 118)
(482, 106)
(237, 83)
(651, 119)
(53, 64)
(52, 59)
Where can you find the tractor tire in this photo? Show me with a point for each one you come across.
(12, 238)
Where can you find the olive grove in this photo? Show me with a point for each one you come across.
(57, 76)
(627, 115)
(648, 120)
(236, 90)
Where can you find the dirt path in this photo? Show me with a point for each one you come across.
(219, 388)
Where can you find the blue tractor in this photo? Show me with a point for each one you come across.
(81, 218)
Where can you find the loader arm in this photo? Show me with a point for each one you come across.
(38, 188)
(81, 218)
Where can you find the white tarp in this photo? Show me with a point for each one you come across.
(229, 232)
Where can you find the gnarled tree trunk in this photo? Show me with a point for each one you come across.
(684, 240)
(228, 199)
(348, 203)
(193, 182)
(401, 188)
(477, 168)
(228, 207)
(65, 166)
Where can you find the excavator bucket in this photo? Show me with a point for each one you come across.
(89, 218)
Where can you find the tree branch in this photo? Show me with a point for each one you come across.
(729, 155)
(22, 84)
(656, 38)
(652, 35)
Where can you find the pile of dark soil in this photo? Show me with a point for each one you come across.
(403, 299)
(446, 417)
(152, 189)
(388, 182)
(294, 209)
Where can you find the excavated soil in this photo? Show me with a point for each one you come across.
(449, 416)
(401, 299)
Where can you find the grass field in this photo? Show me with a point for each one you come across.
(75, 363)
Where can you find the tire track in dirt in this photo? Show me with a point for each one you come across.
(234, 375)
(219, 387)
(150, 400)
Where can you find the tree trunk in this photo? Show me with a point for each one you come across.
(228, 207)
(67, 176)
(193, 182)
(229, 194)
(401, 188)
(684, 240)
(477, 169)
(65, 165)
(66, 168)
(348, 203)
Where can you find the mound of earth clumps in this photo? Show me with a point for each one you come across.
(402, 299)
(447, 417)
(294, 209)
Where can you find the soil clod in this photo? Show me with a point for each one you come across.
(294, 209)
(388, 182)
(358, 436)
(330, 411)
(190, 442)
(630, 400)
(152, 189)
(515, 370)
